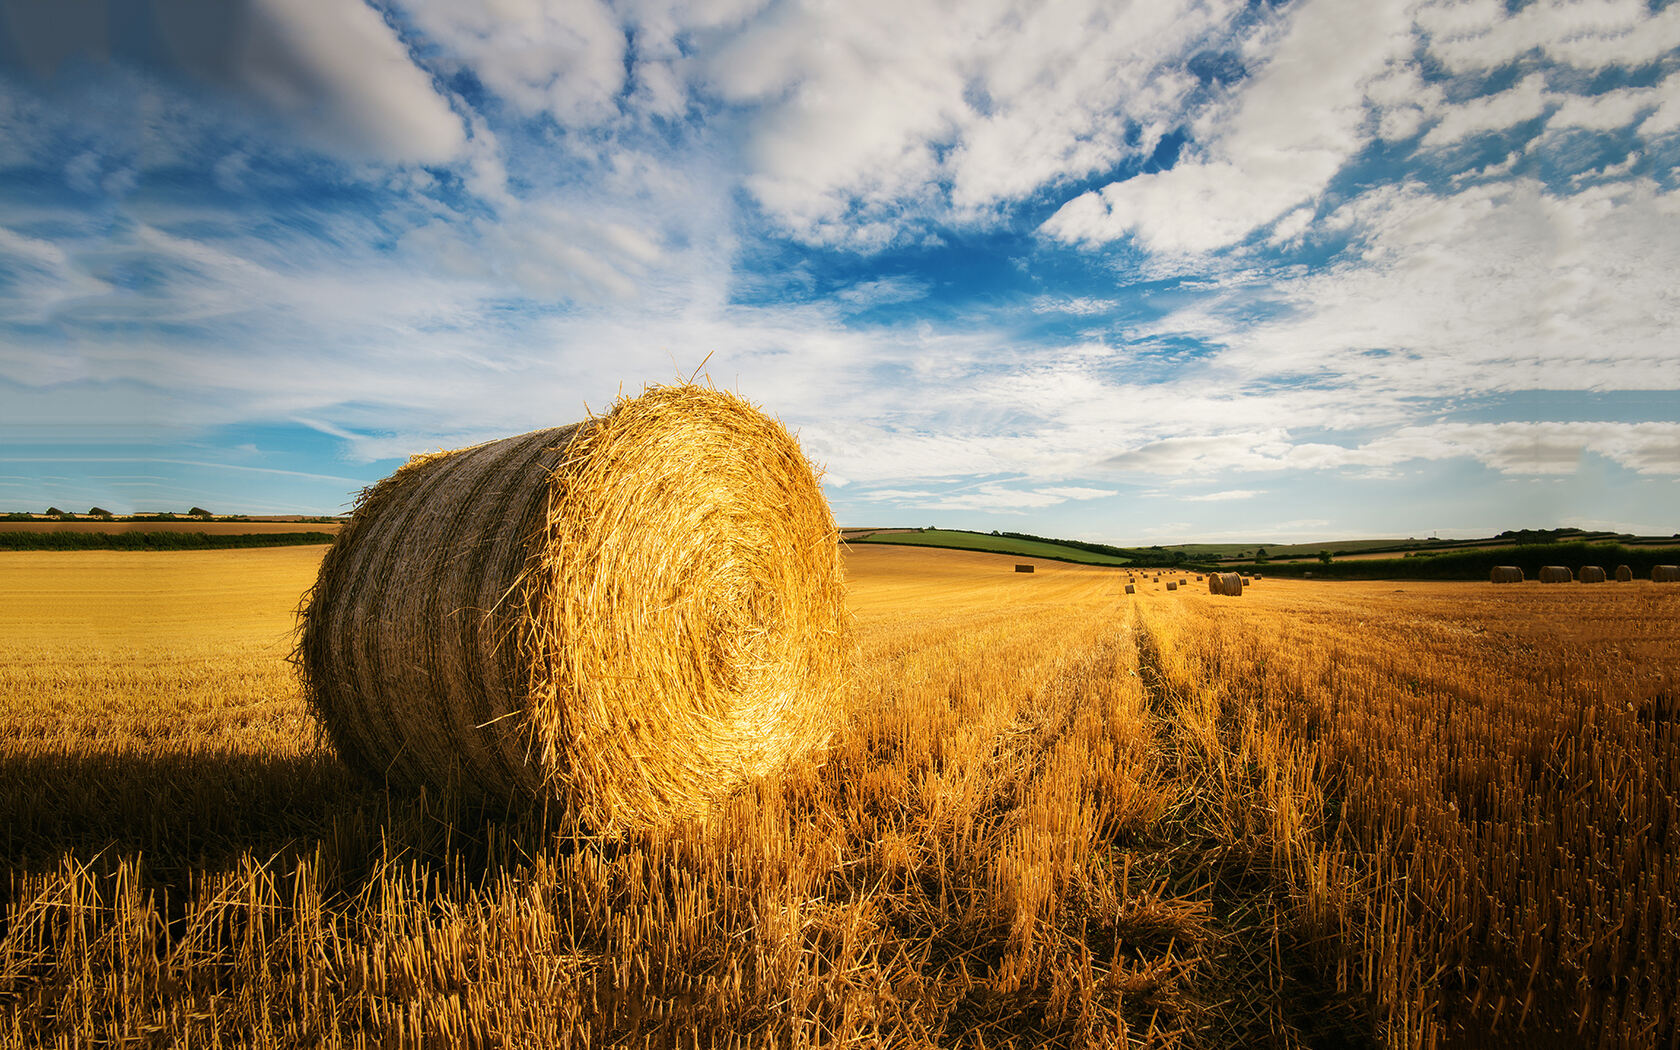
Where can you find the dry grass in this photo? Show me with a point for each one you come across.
(1328, 815)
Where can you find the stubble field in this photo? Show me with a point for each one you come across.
(1351, 814)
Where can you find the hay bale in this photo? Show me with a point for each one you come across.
(1023, 568)
(1591, 574)
(1555, 574)
(1131, 589)
(1665, 574)
(1171, 586)
(1506, 574)
(1244, 580)
(1257, 576)
(630, 614)
(1227, 583)
(1624, 574)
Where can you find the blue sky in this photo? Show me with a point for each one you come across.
(1139, 272)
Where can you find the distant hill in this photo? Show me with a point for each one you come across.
(991, 543)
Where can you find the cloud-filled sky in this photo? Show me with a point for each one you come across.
(1140, 272)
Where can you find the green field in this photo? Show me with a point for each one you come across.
(980, 541)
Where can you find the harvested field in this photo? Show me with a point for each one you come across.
(1343, 814)
(213, 528)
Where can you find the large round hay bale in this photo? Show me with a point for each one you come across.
(1229, 583)
(1624, 574)
(1506, 574)
(1555, 574)
(630, 614)
(1665, 573)
(1591, 574)
(1213, 583)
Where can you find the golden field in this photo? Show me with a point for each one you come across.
(1350, 814)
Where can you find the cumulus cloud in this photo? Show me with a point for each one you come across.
(1532, 448)
(563, 59)
(1526, 101)
(1586, 34)
(864, 110)
(1500, 287)
(1296, 123)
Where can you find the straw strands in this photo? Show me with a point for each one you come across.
(630, 614)
(1555, 574)
(1506, 574)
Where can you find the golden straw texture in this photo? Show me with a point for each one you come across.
(631, 615)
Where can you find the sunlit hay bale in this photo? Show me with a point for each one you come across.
(1665, 574)
(1555, 574)
(1227, 583)
(1171, 586)
(630, 614)
(1591, 574)
(1023, 568)
(1257, 576)
(1624, 574)
(1244, 580)
(1214, 586)
(1131, 589)
(1506, 574)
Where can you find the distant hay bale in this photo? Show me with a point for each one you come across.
(1591, 574)
(1555, 574)
(1244, 580)
(630, 614)
(1257, 576)
(1624, 574)
(1171, 586)
(1665, 574)
(1506, 574)
(1227, 583)
(1023, 568)
(1131, 589)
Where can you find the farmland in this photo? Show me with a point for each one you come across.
(1344, 814)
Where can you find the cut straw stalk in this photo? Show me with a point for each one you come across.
(632, 614)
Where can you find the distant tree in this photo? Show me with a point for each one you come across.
(54, 512)
(99, 512)
(1260, 555)
(1324, 556)
(199, 512)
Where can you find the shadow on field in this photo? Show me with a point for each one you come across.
(178, 810)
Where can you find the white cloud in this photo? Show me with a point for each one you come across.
(1221, 497)
(1076, 492)
(1586, 34)
(1537, 448)
(565, 59)
(1080, 306)
(1296, 123)
(335, 71)
(1500, 287)
(883, 291)
(1523, 102)
(863, 109)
